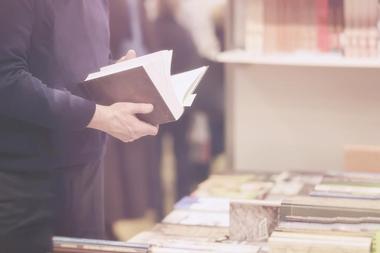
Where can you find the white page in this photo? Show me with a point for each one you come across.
(189, 100)
(158, 75)
(168, 64)
(141, 59)
(186, 82)
(165, 55)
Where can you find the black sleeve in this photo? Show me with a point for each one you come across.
(23, 96)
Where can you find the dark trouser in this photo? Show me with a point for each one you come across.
(30, 200)
(79, 201)
(25, 212)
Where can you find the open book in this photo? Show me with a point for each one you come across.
(146, 79)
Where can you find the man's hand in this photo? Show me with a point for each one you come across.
(119, 120)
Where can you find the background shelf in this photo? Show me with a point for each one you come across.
(321, 60)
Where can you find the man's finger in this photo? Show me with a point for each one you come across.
(141, 108)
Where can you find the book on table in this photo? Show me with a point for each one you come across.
(146, 79)
(81, 245)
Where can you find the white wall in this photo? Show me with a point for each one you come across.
(291, 117)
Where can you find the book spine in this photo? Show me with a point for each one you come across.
(336, 20)
(312, 22)
(373, 33)
(239, 22)
(357, 6)
(65, 244)
(282, 26)
(288, 40)
(376, 243)
(296, 24)
(269, 26)
(377, 32)
(288, 212)
(322, 9)
(346, 37)
(281, 242)
(304, 25)
(254, 26)
(79, 248)
(348, 188)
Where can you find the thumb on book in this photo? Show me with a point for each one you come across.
(130, 55)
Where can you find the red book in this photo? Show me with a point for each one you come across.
(322, 9)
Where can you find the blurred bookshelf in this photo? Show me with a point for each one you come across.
(300, 59)
(345, 28)
(301, 82)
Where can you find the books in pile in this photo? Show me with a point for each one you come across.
(146, 79)
(171, 238)
(288, 242)
(201, 222)
(341, 216)
(349, 185)
(262, 221)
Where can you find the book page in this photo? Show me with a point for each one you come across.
(156, 71)
(186, 82)
(168, 62)
(189, 100)
(165, 56)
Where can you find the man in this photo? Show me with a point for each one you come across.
(50, 144)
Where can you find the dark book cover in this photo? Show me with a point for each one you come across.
(133, 86)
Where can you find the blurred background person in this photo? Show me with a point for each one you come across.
(169, 34)
(133, 176)
(198, 135)
(132, 179)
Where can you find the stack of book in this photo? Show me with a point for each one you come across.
(330, 215)
(256, 213)
(315, 224)
(342, 214)
(201, 222)
(209, 204)
(253, 220)
(281, 242)
(344, 27)
(349, 185)
(272, 213)
(170, 238)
